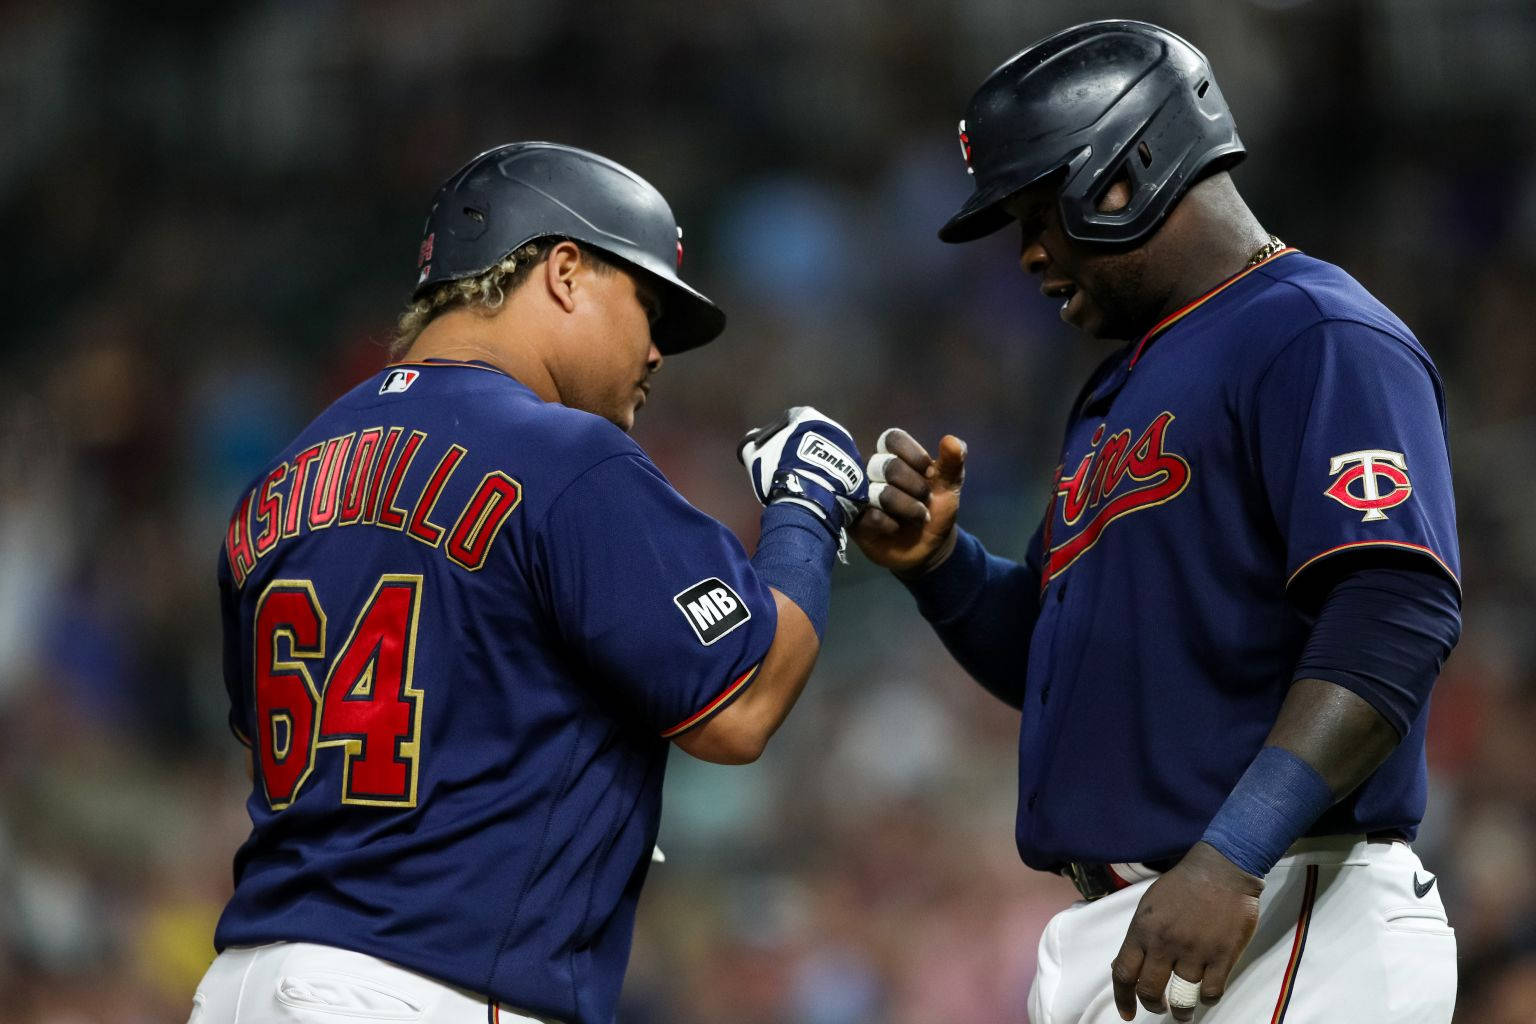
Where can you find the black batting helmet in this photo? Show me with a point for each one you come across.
(1087, 104)
(511, 195)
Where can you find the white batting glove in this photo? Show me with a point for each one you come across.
(807, 458)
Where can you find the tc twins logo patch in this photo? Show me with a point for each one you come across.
(1157, 475)
(1367, 469)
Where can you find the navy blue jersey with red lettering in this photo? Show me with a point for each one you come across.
(460, 626)
(1208, 471)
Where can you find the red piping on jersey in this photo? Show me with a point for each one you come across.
(1298, 946)
(1377, 544)
(708, 709)
(1189, 307)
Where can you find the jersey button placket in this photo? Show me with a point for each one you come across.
(1061, 595)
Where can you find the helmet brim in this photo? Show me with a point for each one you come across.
(982, 215)
(689, 318)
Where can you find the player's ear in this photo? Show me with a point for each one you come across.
(560, 272)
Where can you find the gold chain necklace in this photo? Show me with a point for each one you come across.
(1264, 252)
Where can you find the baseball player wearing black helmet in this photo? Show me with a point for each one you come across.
(1223, 635)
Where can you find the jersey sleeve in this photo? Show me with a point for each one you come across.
(1350, 441)
(984, 610)
(656, 599)
(229, 621)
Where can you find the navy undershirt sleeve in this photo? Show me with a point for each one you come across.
(983, 609)
(1383, 634)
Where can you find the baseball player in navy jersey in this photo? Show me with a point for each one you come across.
(465, 617)
(1223, 635)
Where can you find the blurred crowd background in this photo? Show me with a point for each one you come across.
(210, 216)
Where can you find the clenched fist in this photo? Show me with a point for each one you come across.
(909, 526)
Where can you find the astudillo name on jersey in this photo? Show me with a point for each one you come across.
(355, 480)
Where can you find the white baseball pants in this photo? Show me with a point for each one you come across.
(302, 983)
(1344, 935)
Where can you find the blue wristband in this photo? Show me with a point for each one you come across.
(1277, 799)
(794, 556)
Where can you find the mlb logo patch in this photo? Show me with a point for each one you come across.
(712, 609)
(398, 381)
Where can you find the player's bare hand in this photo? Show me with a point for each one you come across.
(1194, 921)
(909, 526)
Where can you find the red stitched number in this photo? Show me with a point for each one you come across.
(367, 706)
(285, 691)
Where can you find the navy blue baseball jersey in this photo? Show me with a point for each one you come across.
(1278, 421)
(460, 626)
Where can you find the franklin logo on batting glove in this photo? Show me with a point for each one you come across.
(817, 449)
